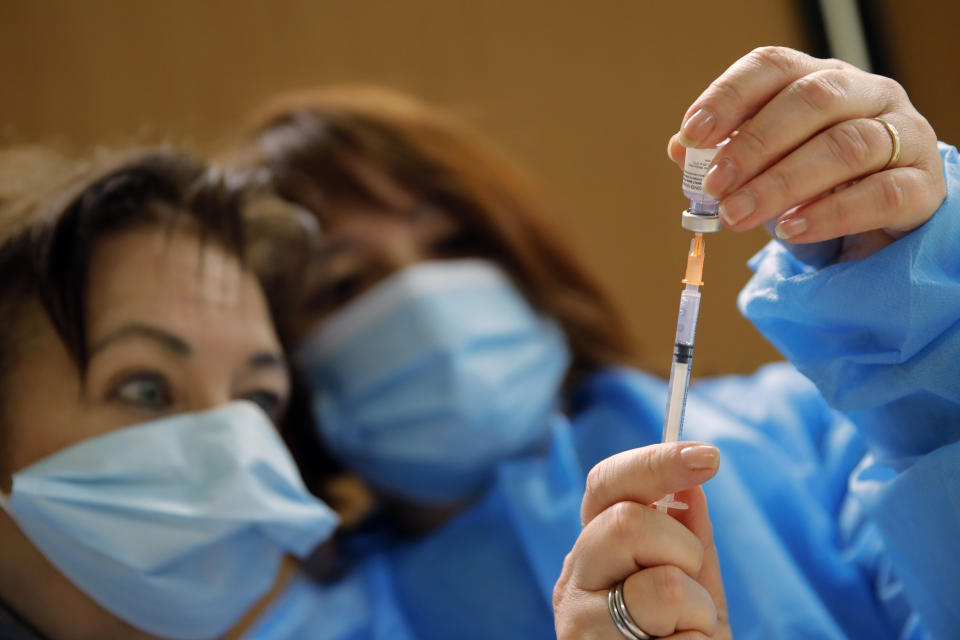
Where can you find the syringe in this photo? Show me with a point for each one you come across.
(683, 353)
(702, 217)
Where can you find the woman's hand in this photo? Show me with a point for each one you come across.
(808, 150)
(669, 564)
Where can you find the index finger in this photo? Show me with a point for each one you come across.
(647, 474)
(742, 90)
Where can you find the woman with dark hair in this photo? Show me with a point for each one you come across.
(468, 370)
(144, 488)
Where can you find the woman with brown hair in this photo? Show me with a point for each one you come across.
(144, 490)
(469, 371)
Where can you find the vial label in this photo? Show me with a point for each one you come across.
(695, 169)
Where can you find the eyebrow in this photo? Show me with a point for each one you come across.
(167, 340)
(267, 360)
(331, 248)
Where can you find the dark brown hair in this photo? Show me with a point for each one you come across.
(331, 142)
(51, 223)
(52, 217)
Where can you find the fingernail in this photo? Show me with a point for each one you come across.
(787, 229)
(737, 207)
(696, 128)
(700, 456)
(719, 178)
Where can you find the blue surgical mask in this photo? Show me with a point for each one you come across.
(424, 383)
(176, 526)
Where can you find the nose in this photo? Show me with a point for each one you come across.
(395, 241)
(400, 248)
(208, 396)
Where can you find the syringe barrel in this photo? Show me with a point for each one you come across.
(676, 400)
(687, 317)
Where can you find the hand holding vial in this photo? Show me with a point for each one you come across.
(822, 147)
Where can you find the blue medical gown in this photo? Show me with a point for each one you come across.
(838, 522)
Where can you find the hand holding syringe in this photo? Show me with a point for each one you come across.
(700, 218)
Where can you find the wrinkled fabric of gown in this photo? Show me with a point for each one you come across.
(839, 522)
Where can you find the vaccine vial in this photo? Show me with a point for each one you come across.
(703, 215)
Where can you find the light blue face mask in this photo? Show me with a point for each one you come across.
(427, 381)
(176, 526)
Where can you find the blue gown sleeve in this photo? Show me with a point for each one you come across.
(880, 338)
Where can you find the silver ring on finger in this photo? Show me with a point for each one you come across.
(621, 617)
(895, 139)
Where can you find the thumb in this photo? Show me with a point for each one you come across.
(647, 474)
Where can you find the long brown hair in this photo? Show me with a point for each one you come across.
(330, 141)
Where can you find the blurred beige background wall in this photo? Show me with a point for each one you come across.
(584, 95)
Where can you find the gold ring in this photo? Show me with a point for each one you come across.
(894, 138)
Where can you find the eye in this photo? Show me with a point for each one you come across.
(454, 245)
(443, 234)
(145, 391)
(335, 293)
(344, 289)
(271, 403)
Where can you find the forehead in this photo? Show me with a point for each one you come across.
(174, 279)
